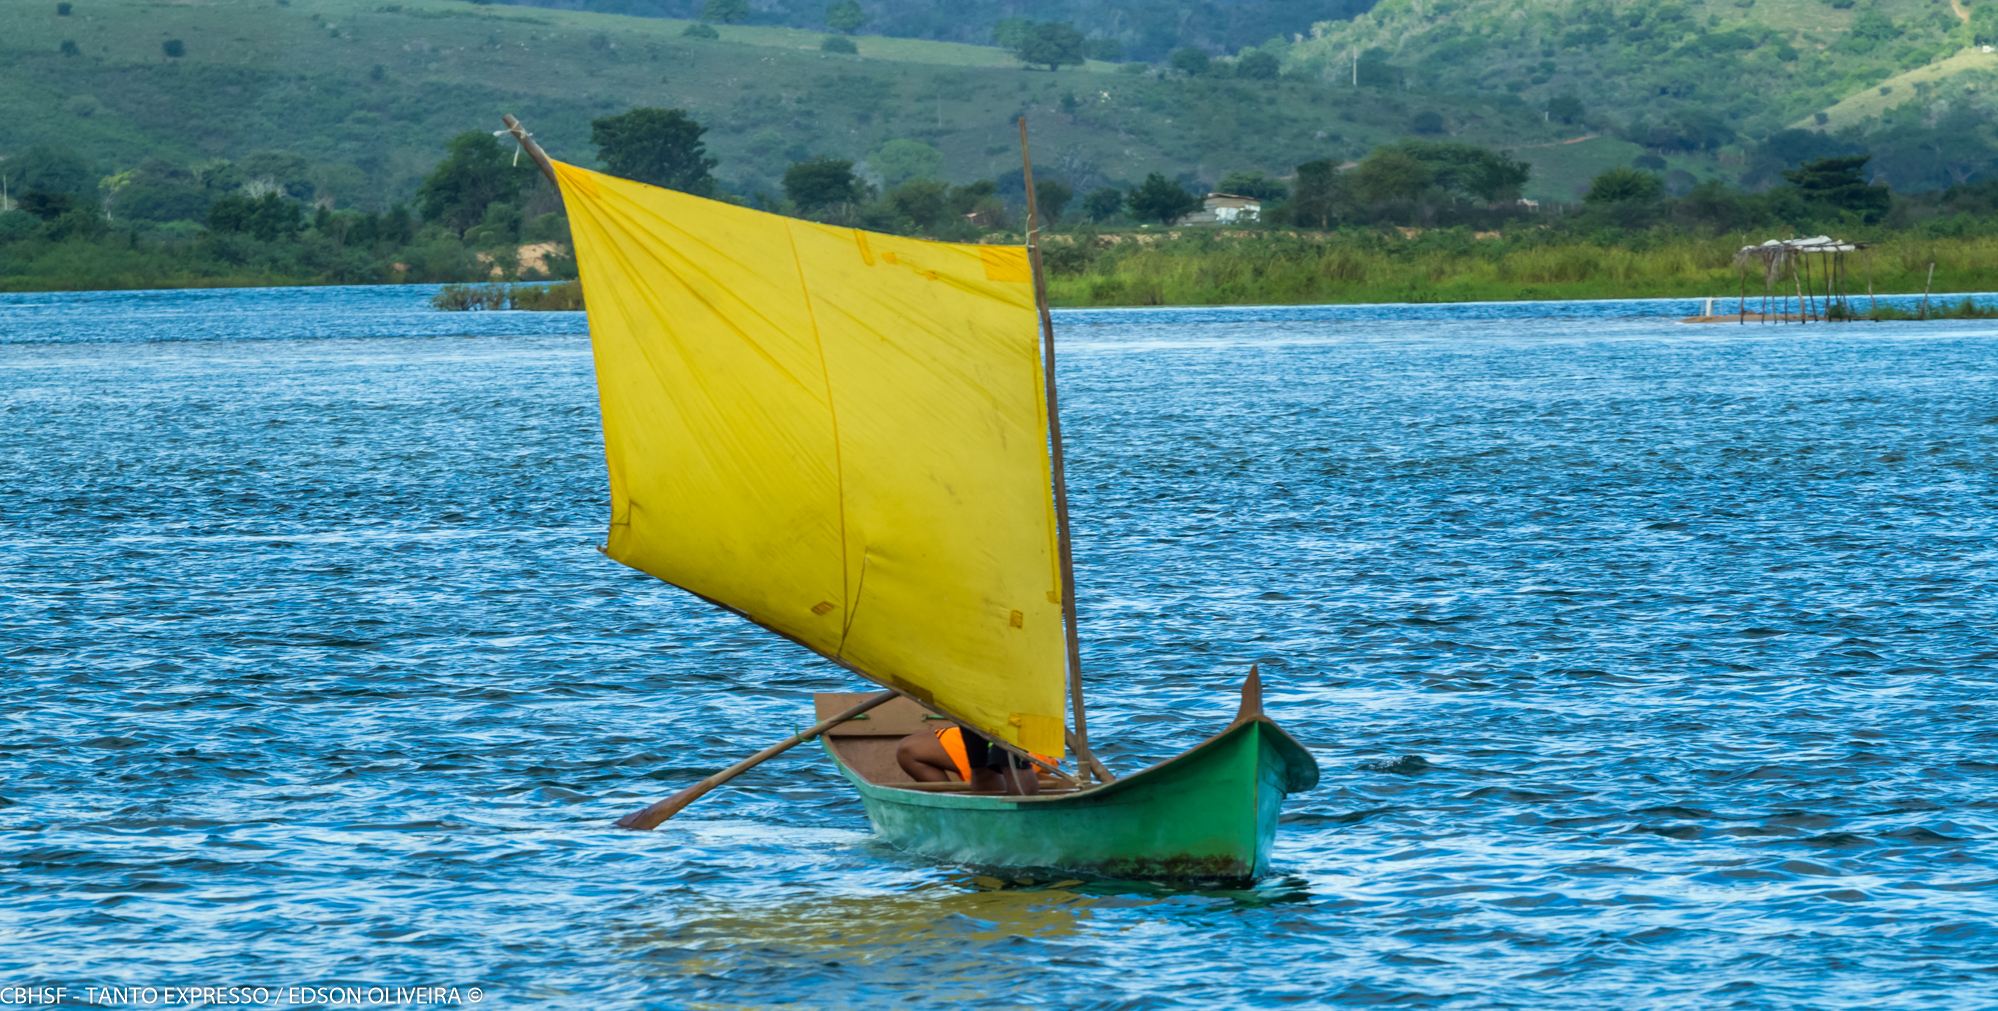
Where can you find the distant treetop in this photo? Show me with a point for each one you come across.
(727, 12)
(845, 16)
(1624, 185)
(662, 147)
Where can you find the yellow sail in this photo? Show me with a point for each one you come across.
(840, 434)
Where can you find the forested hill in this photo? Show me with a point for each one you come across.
(1738, 89)
(1907, 81)
(1139, 29)
(366, 92)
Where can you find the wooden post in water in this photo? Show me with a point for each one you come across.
(1741, 306)
(1926, 285)
(1810, 298)
(1871, 302)
(1063, 545)
(1797, 280)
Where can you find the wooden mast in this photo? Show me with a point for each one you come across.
(1080, 737)
(533, 150)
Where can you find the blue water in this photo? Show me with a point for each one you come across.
(1649, 666)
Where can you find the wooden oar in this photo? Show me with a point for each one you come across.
(651, 817)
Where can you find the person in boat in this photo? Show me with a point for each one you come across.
(932, 756)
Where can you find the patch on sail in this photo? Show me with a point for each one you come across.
(1006, 263)
(822, 608)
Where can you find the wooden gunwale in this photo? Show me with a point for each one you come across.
(1125, 783)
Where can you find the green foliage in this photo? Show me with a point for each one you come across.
(1565, 109)
(823, 183)
(701, 30)
(967, 198)
(1162, 200)
(476, 172)
(159, 190)
(845, 16)
(925, 203)
(1392, 173)
(562, 296)
(281, 170)
(1323, 194)
(1252, 184)
(979, 203)
(1190, 61)
(1374, 71)
(16, 225)
(268, 218)
(1445, 265)
(838, 44)
(43, 167)
(1012, 33)
(727, 12)
(1256, 65)
(1103, 204)
(1983, 24)
(1838, 183)
(1051, 43)
(1692, 128)
(899, 161)
(1428, 121)
(47, 205)
(174, 48)
(1745, 68)
(1108, 50)
(63, 9)
(1622, 185)
(1870, 30)
(1469, 170)
(1051, 198)
(662, 147)
(68, 48)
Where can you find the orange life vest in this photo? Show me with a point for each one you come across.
(952, 739)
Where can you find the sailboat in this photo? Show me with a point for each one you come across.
(852, 440)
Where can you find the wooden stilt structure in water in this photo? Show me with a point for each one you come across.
(1814, 302)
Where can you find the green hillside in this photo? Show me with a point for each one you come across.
(368, 91)
(1706, 80)
(1761, 63)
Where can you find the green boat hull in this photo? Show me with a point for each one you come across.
(1208, 813)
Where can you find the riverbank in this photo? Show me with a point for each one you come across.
(1296, 268)
(1129, 268)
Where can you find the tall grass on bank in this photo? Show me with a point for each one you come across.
(1207, 268)
(562, 296)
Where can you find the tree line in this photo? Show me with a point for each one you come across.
(258, 219)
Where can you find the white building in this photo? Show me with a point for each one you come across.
(1225, 209)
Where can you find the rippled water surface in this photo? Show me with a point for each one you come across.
(1649, 665)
